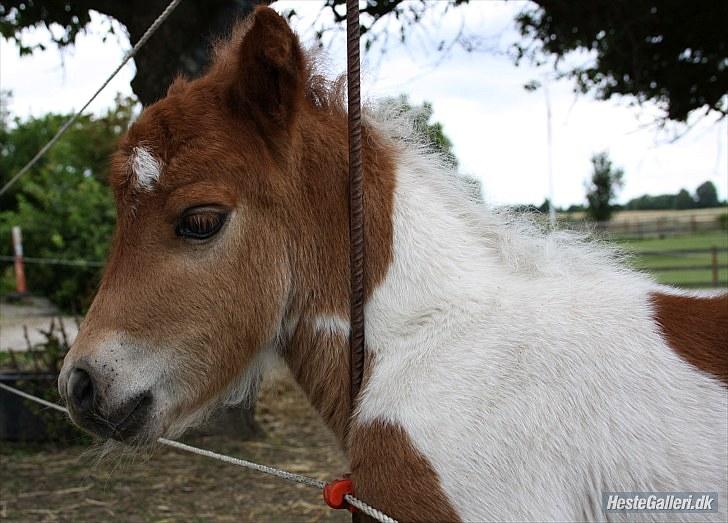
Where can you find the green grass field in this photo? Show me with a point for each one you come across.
(683, 278)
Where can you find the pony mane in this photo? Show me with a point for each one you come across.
(522, 239)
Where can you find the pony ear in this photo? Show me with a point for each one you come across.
(271, 71)
(178, 86)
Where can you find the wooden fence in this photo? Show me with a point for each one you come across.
(670, 263)
(659, 227)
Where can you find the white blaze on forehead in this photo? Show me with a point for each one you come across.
(146, 168)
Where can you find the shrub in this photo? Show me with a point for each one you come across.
(723, 221)
(40, 365)
(63, 205)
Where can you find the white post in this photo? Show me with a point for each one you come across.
(20, 286)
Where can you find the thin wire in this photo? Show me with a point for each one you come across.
(143, 40)
(55, 261)
(265, 469)
(271, 471)
(34, 398)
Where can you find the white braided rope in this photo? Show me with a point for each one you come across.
(128, 56)
(33, 398)
(369, 511)
(265, 469)
(271, 471)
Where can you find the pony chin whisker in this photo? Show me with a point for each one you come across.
(243, 390)
(508, 367)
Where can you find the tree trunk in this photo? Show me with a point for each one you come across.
(181, 45)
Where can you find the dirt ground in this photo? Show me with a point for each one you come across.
(44, 484)
(35, 314)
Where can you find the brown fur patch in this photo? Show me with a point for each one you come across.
(696, 329)
(265, 138)
(320, 363)
(390, 473)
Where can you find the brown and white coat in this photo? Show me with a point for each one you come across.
(511, 375)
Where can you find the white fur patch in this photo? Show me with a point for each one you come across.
(145, 167)
(528, 369)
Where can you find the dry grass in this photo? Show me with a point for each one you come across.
(70, 485)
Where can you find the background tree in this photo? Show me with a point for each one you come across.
(408, 15)
(431, 132)
(706, 195)
(684, 200)
(671, 52)
(4, 111)
(64, 206)
(181, 45)
(648, 202)
(545, 206)
(606, 180)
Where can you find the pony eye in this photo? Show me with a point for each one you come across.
(200, 223)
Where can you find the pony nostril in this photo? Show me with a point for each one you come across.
(81, 391)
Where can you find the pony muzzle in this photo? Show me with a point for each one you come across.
(94, 409)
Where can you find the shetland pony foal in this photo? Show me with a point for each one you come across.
(510, 375)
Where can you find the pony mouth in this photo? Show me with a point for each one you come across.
(124, 424)
(129, 424)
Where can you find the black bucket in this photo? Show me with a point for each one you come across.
(26, 421)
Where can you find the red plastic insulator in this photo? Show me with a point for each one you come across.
(335, 492)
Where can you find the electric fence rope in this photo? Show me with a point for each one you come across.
(55, 261)
(357, 252)
(265, 469)
(128, 56)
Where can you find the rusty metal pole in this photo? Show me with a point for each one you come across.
(356, 201)
(20, 285)
(356, 210)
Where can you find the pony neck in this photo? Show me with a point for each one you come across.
(317, 317)
(433, 258)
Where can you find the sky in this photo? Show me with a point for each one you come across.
(498, 128)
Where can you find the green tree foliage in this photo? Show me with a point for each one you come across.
(672, 52)
(63, 205)
(684, 200)
(16, 15)
(575, 207)
(648, 202)
(432, 132)
(545, 206)
(706, 195)
(182, 44)
(375, 14)
(606, 180)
